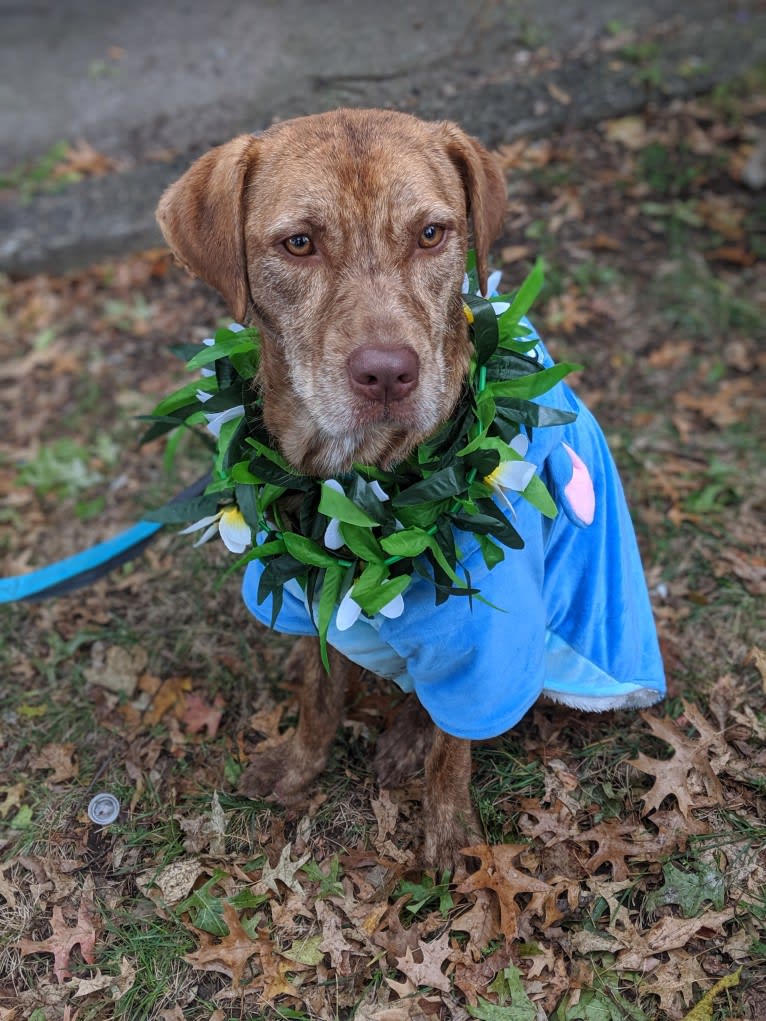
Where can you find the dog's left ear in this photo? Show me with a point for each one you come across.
(485, 191)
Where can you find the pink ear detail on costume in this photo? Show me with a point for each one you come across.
(579, 490)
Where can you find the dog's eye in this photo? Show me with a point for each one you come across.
(300, 244)
(431, 236)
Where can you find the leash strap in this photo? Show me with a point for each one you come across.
(85, 567)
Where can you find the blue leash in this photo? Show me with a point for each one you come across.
(85, 567)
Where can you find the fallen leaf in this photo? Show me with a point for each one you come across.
(704, 1009)
(559, 94)
(64, 939)
(229, 955)
(749, 568)
(676, 977)
(616, 842)
(12, 798)
(688, 772)
(628, 131)
(333, 941)
(205, 832)
(170, 696)
(116, 668)
(198, 715)
(117, 985)
(284, 872)
(58, 757)
(757, 657)
(175, 881)
(497, 873)
(423, 967)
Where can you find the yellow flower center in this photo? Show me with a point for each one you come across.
(233, 517)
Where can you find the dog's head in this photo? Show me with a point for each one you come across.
(343, 237)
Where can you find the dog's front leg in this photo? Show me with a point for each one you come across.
(450, 819)
(285, 770)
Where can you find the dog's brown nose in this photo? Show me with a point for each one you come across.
(383, 374)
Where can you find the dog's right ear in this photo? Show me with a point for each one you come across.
(202, 219)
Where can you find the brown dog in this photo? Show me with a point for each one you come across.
(343, 237)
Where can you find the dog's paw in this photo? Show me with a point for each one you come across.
(273, 775)
(446, 836)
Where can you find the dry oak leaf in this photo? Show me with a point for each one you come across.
(273, 981)
(639, 950)
(284, 871)
(481, 921)
(676, 976)
(60, 758)
(205, 832)
(118, 985)
(175, 882)
(64, 939)
(199, 715)
(333, 941)
(616, 843)
(229, 955)
(553, 826)
(688, 776)
(473, 977)
(497, 873)
(757, 657)
(428, 970)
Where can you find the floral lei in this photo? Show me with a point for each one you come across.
(356, 541)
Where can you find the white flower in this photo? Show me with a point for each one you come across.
(215, 421)
(512, 475)
(333, 539)
(349, 610)
(229, 524)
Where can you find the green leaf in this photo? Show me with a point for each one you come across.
(374, 599)
(410, 542)
(509, 365)
(272, 548)
(307, 551)
(534, 384)
(444, 483)
(534, 415)
(188, 415)
(229, 343)
(337, 505)
(537, 494)
(371, 577)
(527, 293)
(183, 511)
(492, 553)
(328, 600)
(362, 542)
(184, 395)
(484, 329)
(240, 472)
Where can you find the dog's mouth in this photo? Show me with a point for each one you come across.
(393, 414)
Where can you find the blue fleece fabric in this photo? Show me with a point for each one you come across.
(571, 616)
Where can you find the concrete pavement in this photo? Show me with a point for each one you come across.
(151, 85)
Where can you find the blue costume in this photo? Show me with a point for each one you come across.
(570, 615)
